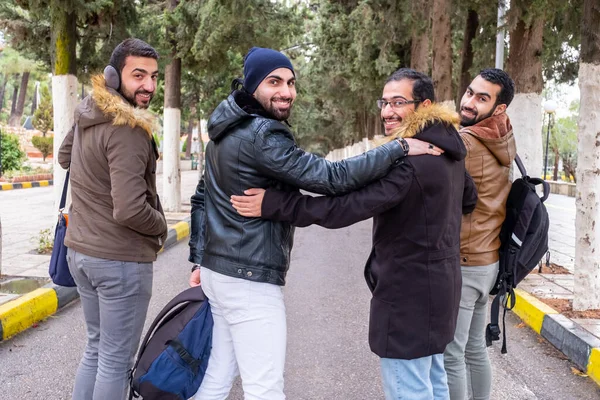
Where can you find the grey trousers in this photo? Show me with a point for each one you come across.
(114, 297)
(466, 359)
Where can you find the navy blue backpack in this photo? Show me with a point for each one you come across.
(174, 354)
(59, 269)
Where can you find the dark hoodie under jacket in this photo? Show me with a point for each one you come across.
(115, 212)
(248, 149)
(414, 267)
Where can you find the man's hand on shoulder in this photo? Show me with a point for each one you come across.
(249, 205)
(418, 147)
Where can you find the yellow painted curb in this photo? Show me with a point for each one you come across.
(182, 228)
(20, 314)
(6, 186)
(593, 368)
(26, 185)
(44, 183)
(531, 310)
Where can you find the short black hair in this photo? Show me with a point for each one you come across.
(131, 47)
(500, 78)
(422, 84)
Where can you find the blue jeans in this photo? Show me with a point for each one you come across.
(114, 298)
(419, 379)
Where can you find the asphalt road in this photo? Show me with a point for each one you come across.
(328, 355)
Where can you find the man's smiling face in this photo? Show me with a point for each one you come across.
(398, 92)
(138, 80)
(479, 102)
(277, 92)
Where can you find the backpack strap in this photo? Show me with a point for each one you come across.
(492, 331)
(545, 187)
(187, 358)
(520, 165)
(63, 197)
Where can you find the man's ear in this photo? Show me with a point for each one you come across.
(499, 109)
(426, 103)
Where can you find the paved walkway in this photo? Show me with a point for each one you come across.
(25, 213)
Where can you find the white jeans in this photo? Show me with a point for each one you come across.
(249, 338)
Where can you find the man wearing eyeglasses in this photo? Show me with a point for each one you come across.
(413, 270)
(244, 262)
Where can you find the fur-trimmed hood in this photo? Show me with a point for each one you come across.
(436, 124)
(107, 105)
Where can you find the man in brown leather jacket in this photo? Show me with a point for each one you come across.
(488, 137)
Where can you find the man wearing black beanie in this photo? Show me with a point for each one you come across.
(242, 262)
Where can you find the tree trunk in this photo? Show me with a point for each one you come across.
(442, 51)
(200, 151)
(35, 100)
(587, 220)
(188, 144)
(64, 83)
(15, 97)
(15, 120)
(556, 160)
(569, 170)
(525, 67)
(421, 32)
(172, 121)
(467, 54)
(3, 91)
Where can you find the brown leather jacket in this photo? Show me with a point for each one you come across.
(115, 212)
(491, 150)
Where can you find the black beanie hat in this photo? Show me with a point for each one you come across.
(259, 63)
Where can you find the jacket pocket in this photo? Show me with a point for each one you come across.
(379, 326)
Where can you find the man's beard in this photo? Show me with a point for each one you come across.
(476, 118)
(270, 106)
(131, 98)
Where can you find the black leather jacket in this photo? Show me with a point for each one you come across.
(249, 149)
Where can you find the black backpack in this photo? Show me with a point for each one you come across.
(174, 354)
(524, 241)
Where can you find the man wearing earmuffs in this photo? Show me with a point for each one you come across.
(116, 223)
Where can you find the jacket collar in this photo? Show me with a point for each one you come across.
(116, 108)
(425, 116)
(494, 127)
(250, 105)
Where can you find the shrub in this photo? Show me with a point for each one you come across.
(44, 241)
(12, 156)
(43, 117)
(44, 144)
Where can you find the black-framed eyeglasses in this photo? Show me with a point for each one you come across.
(381, 103)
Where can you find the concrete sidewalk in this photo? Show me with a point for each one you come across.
(20, 311)
(25, 213)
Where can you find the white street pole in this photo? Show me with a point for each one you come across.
(500, 35)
